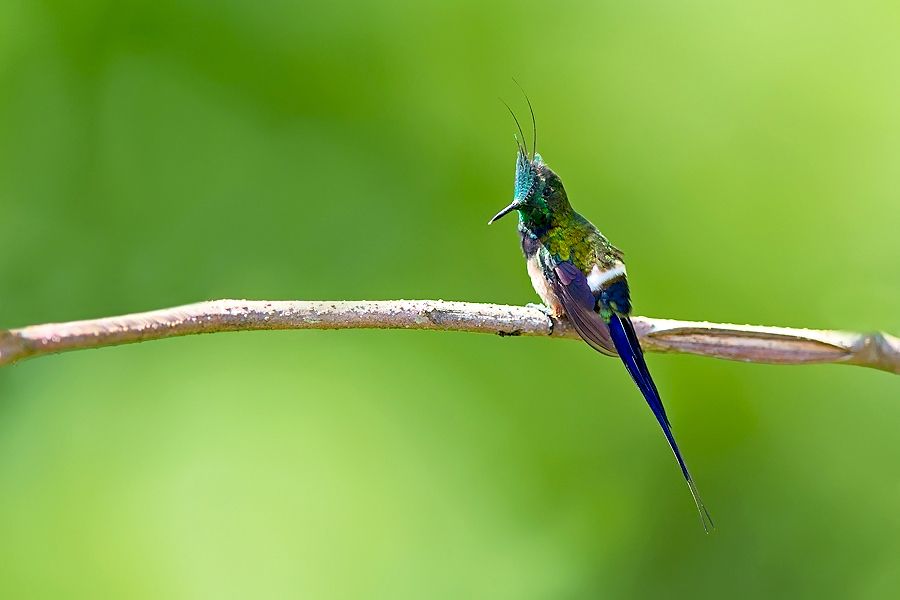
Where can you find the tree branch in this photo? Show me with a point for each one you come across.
(747, 343)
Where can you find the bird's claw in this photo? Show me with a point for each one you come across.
(545, 310)
(541, 307)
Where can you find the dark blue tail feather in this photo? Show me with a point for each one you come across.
(629, 349)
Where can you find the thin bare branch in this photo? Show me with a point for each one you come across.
(733, 342)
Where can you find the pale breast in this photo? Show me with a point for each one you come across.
(543, 289)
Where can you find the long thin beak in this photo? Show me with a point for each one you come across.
(505, 211)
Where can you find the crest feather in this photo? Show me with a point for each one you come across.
(526, 175)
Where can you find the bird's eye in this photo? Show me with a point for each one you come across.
(548, 190)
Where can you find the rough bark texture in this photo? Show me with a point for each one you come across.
(733, 342)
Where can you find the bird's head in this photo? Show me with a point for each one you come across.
(538, 195)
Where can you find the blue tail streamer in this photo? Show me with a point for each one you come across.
(629, 349)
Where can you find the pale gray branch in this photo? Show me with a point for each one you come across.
(734, 342)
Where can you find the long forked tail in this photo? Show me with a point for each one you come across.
(629, 349)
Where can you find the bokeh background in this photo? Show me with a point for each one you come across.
(745, 155)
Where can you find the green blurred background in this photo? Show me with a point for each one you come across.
(745, 155)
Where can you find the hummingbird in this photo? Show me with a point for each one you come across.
(578, 273)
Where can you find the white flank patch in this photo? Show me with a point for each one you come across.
(596, 278)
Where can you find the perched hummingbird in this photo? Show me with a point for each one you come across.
(577, 272)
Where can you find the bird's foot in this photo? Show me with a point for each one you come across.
(548, 312)
(541, 307)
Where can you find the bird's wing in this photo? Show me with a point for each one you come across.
(571, 287)
(617, 337)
